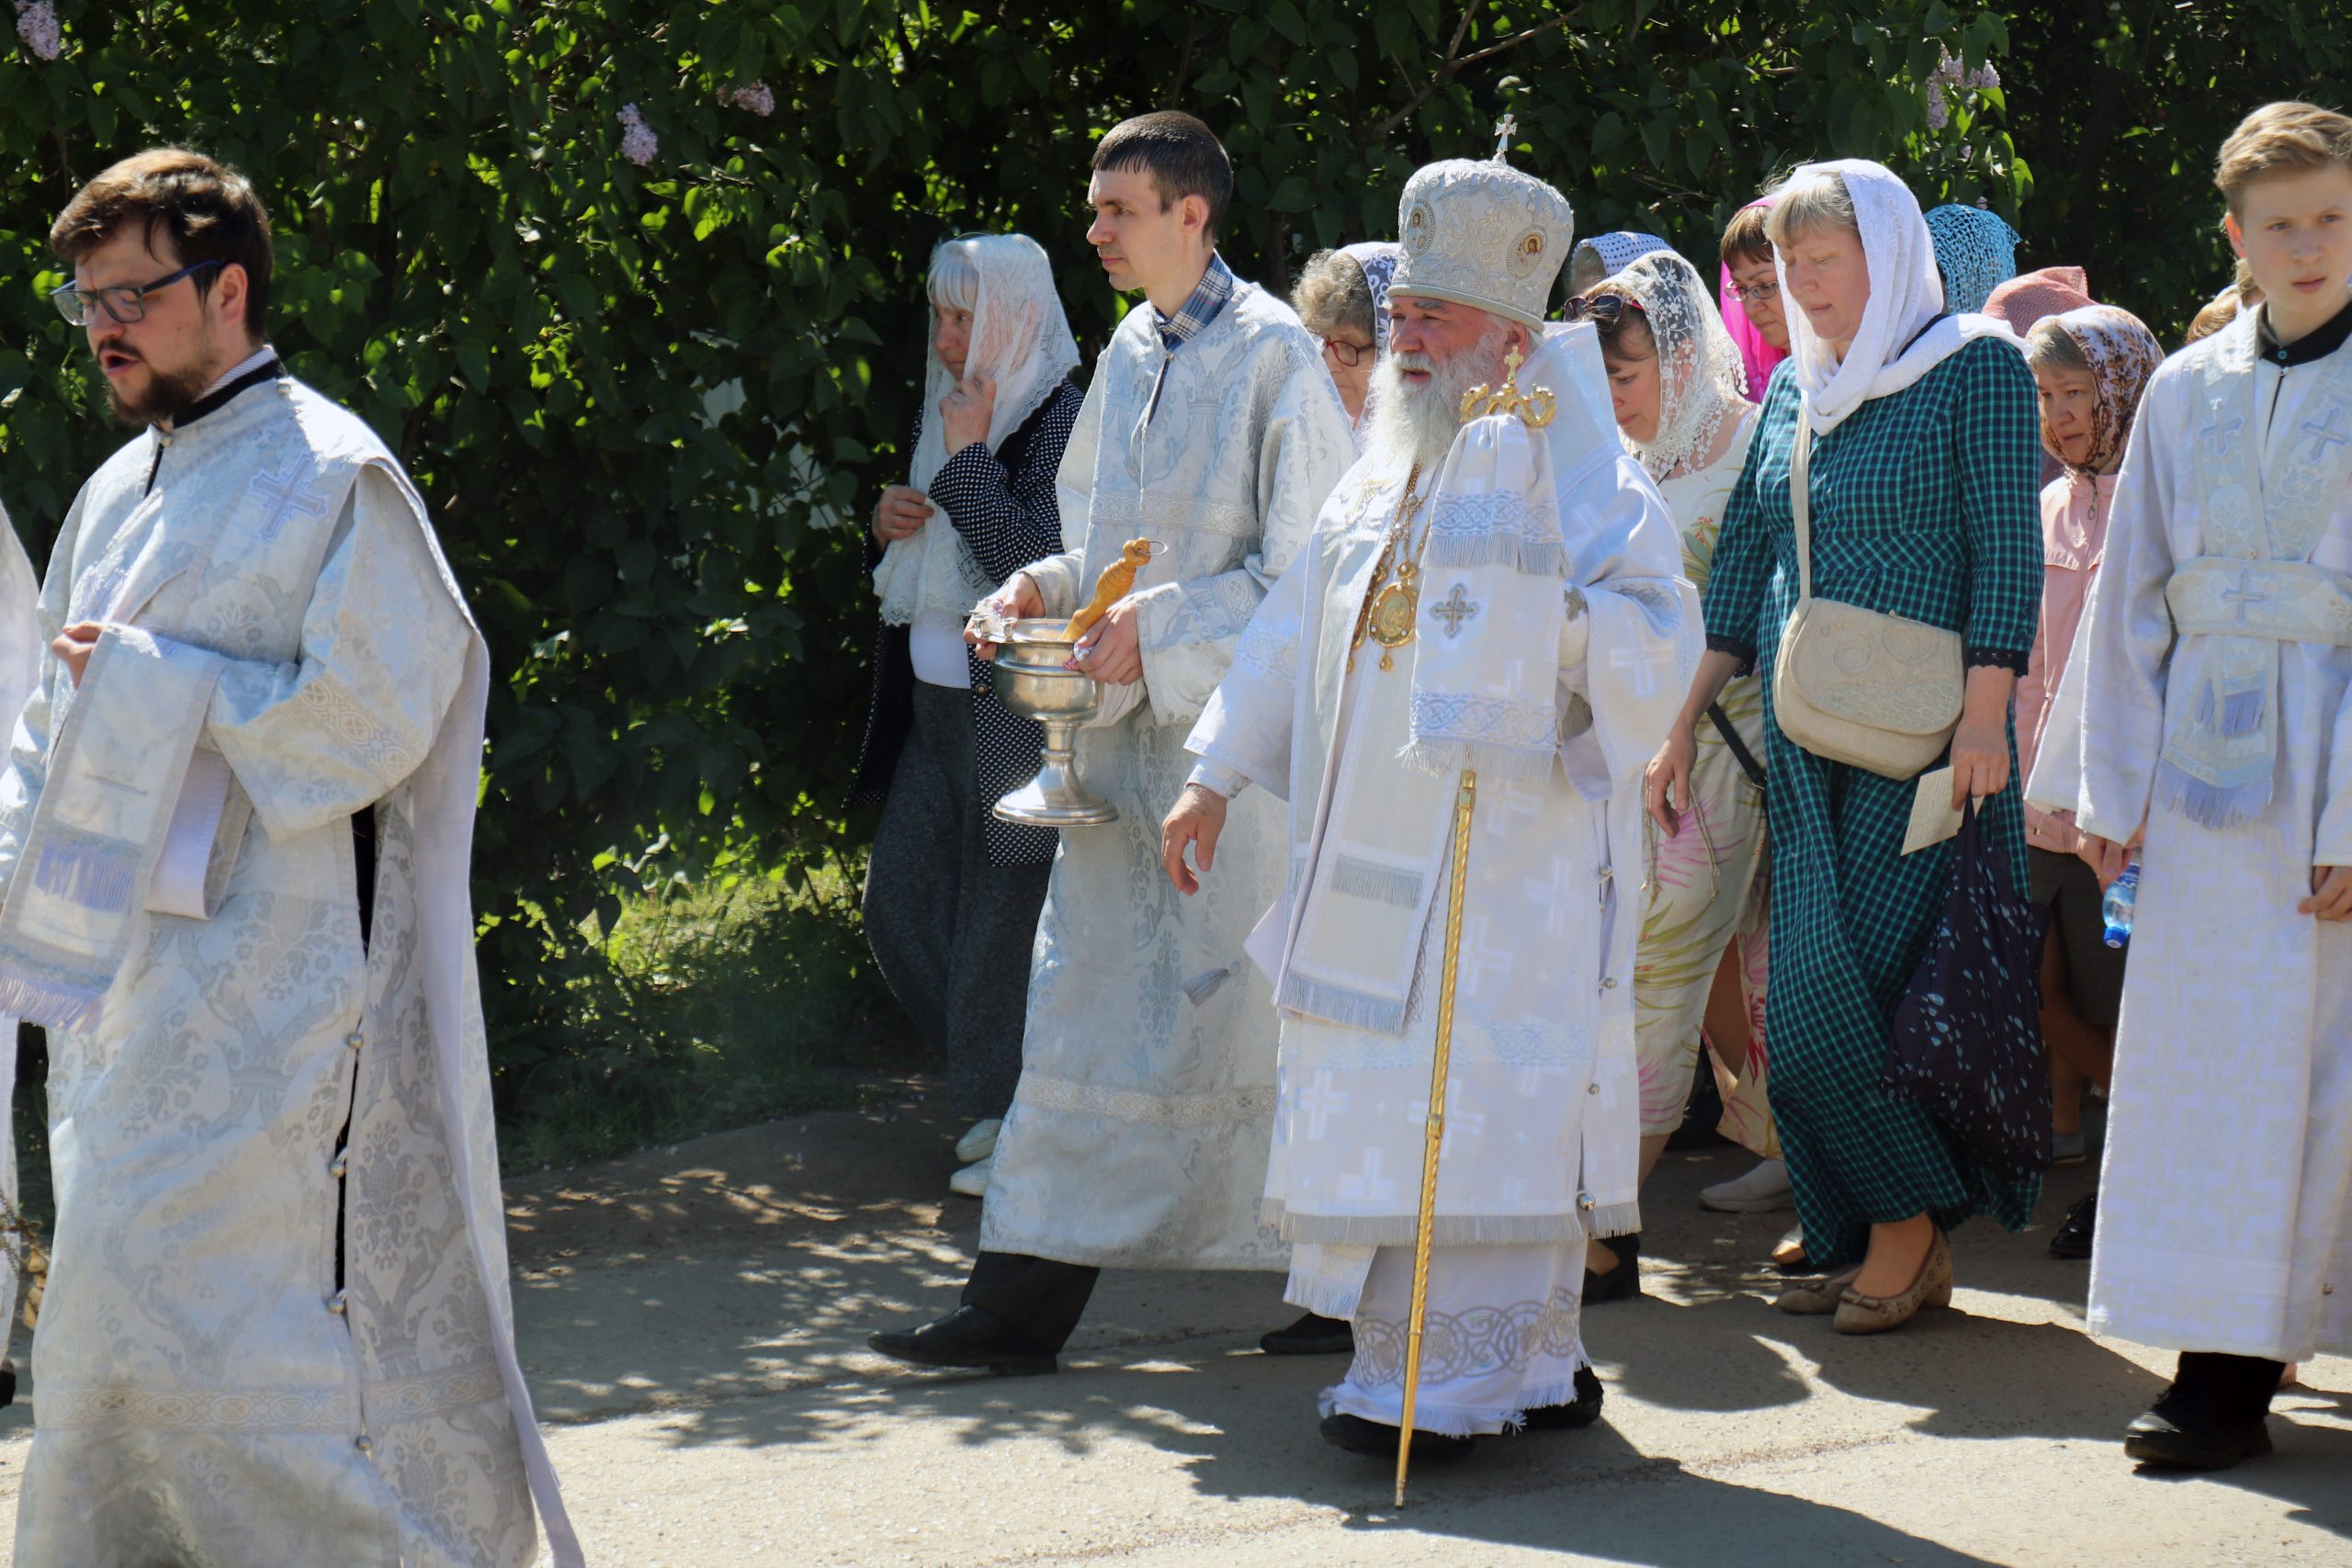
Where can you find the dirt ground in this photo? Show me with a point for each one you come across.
(694, 1321)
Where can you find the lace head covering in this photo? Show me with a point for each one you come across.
(1617, 248)
(1699, 377)
(1976, 250)
(2030, 296)
(1379, 258)
(1019, 339)
(1900, 338)
(2122, 354)
(1755, 356)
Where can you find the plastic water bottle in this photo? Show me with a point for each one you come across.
(2123, 895)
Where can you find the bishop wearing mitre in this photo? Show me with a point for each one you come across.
(1455, 688)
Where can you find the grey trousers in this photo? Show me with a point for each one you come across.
(952, 931)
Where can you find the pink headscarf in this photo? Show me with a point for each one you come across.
(2027, 298)
(1758, 355)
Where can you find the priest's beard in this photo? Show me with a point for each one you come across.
(167, 394)
(1417, 423)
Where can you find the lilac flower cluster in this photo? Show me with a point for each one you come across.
(1948, 76)
(36, 25)
(639, 144)
(758, 97)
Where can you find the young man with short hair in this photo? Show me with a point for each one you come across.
(2215, 749)
(1139, 1132)
(235, 830)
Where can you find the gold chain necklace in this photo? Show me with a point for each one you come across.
(1391, 608)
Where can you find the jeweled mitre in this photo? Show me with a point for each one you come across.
(1483, 233)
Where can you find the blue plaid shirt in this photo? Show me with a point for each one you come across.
(1208, 298)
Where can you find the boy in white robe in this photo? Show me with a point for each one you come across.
(1550, 630)
(1139, 1130)
(2211, 690)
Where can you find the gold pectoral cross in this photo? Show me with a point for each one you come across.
(1390, 608)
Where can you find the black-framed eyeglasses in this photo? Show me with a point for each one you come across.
(1348, 354)
(1601, 310)
(125, 302)
(1752, 291)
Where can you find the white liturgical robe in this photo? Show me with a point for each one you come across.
(2209, 695)
(1542, 1100)
(277, 1331)
(1137, 1136)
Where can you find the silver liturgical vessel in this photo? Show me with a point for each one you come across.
(1033, 680)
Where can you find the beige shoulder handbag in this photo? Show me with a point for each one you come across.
(1861, 686)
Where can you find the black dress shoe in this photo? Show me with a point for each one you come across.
(964, 1338)
(1359, 1436)
(1582, 1411)
(2073, 1237)
(1311, 1336)
(1622, 1282)
(2177, 1438)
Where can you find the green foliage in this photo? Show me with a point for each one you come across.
(641, 398)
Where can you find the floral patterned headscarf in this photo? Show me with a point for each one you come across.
(2122, 354)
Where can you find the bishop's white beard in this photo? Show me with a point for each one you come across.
(1417, 423)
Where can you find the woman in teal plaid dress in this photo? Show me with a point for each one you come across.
(1925, 469)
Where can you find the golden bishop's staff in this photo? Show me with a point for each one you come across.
(1466, 799)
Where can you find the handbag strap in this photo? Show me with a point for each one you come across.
(1801, 502)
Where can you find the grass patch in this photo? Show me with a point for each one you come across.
(725, 1002)
(721, 1004)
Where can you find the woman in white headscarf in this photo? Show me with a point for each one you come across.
(1342, 298)
(1678, 388)
(952, 895)
(1924, 478)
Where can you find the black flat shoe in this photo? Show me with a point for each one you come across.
(2073, 1237)
(1583, 1411)
(1359, 1436)
(2179, 1440)
(1622, 1282)
(1311, 1336)
(964, 1338)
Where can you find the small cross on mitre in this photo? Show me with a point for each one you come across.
(1505, 128)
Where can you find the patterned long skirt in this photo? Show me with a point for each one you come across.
(1851, 919)
(1706, 894)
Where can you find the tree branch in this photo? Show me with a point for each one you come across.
(1455, 63)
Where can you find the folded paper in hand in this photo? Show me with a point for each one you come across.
(1934, 817)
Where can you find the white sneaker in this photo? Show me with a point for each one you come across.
(1759, 1192)
(978, 1141)
(972, 1181)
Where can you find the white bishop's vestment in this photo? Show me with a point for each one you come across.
(2210, 695)
(277, 1331)
(1137, 1136)
(1555, 640)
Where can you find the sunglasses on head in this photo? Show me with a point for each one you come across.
(1601, 310)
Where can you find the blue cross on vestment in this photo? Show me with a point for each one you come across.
(2216, 435)
(2326, 437)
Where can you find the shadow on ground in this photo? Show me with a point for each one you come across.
(693, 1286)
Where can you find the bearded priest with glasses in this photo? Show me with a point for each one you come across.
(235, 825)
(1455, 687)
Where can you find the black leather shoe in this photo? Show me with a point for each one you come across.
(1359, 1436)
(2073, 1237)
(1311, 1336)
(1583, 1411)
(7, 1383)
(1622, 1282)
(2176, 1438)
(964, 1338)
